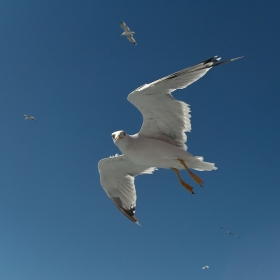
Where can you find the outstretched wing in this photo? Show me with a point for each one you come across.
(117, 179)
(124, 26)
(164, 117)
(131, 39)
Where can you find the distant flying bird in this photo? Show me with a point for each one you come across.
(127, 33)
(229, 232)
(205, 267)
(160, 141)
(27, 117)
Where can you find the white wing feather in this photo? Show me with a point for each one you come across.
(131, 39)
(124, 26)
(117, 176)
(164, 117)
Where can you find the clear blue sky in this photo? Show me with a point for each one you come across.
(65, 63)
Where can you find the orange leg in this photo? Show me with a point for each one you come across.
(195, 177)
(184, 184)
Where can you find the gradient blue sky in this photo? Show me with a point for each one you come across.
(65, 63)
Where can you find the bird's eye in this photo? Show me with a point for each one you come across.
(124, 133)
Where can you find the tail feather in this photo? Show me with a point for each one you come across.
(201, 165)
(197, 163)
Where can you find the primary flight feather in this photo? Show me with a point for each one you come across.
(160, 142)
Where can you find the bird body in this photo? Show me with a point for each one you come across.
(28, 117)
(127, 33)
(229, 232)
(148, 152)
(160, 143)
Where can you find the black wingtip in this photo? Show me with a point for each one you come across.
(226, 61)
(128, 213)
(215, 60)
(212, 59)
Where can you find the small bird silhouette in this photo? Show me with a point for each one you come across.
(229, 232)
(28, 117)
(128, 33)
(205, 267)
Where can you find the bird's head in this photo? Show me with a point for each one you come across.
(118, 136)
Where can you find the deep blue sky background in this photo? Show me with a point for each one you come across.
(65, 63)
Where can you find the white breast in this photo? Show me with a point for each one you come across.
(149, 152)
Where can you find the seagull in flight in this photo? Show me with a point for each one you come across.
(229, 232)
(205, 267)
(28, 117)
(128, 33)
(160, 143)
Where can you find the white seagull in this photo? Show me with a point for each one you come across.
(160, 141)
(205, 267)
(28, 117)
(127, 33)
(229, 232)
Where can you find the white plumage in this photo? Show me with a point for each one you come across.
(28, 117)
(117, 175)
(160, 141)
(205, 267)
(127, 33)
